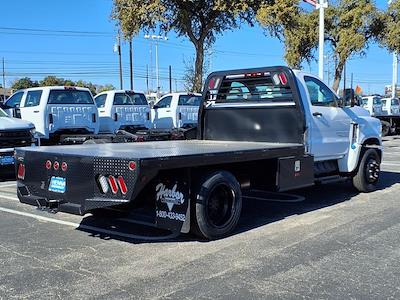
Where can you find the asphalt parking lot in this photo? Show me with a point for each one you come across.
(337, 244)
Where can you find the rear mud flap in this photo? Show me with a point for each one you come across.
(172, 197)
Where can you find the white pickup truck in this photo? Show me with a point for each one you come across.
(125, 110)
(262, 131)
(387, 110)
(14, 133)
(176, 110)
(55, 111)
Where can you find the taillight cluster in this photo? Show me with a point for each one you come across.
(114, 183)
(56, 165)
(21, 171)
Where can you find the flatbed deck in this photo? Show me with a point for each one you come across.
(170, 154)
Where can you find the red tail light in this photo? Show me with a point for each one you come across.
(64, 166)
(282, 78)
(132, 165)
(48, 164)
(21, 171)
(113, 184)
(56, 165)
(122, 185)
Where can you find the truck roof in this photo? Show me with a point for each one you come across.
(120, 91)
(55, 88)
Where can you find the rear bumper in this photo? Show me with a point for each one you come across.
(45, 202)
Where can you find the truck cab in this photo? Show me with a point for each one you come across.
(391, 106)
(122, 110)
(176, 110)
(55, 110)
(14, 133)
(374, 105)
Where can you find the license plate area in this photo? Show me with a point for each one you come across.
(6, 160)
(58, 185)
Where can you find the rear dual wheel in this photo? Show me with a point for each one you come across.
(217, 205)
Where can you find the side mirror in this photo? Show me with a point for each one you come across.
(340, 102)
(156, 107)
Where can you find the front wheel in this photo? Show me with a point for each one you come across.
(217, 205)
(367, 176)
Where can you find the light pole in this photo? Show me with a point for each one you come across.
(156, 38)
(395, 69)
(321, 5)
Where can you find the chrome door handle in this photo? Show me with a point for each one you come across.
(317, 114)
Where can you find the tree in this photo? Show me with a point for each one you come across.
(199, 20)
(52, 81)
(89, 85)
(350, 25)
(24, 83)
(294, 26)
(391, 32)
(104, 88)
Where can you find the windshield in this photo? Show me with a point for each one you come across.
(395, 101)
(377, 101)
(3, 113)
(129, 99)
(70, 97)
(189, 100)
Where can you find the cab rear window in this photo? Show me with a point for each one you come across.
(67, 97)
(262, 88)
(189, 100)
(129, 99)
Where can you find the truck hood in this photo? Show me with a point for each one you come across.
(7, 123)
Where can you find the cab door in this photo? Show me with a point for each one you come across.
(163, 113)
(31, 111)
(12, 105)
(330, 124)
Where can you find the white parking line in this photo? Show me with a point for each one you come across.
(7, 185)
(86, 227)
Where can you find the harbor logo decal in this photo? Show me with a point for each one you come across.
(170, 197)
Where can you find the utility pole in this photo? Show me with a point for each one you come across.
(147, 79)
(321, 5)
(170, 79)
(4, 81)
(156, 38)
(395, 69)
(344, 79)
(117, 48)
(131, 62)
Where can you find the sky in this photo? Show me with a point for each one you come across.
(39, 38)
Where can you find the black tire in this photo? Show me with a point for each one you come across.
(367, 176)
(217, 205)
(385, 128)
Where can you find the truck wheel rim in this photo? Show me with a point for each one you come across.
(220, 206)
(372, 170)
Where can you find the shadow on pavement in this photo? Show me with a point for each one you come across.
(255, 213)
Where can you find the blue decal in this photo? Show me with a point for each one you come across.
(58, 185)
(6, 160)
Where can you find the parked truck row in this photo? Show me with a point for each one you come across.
(59, 113)
(260, 131)
(385, 109)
